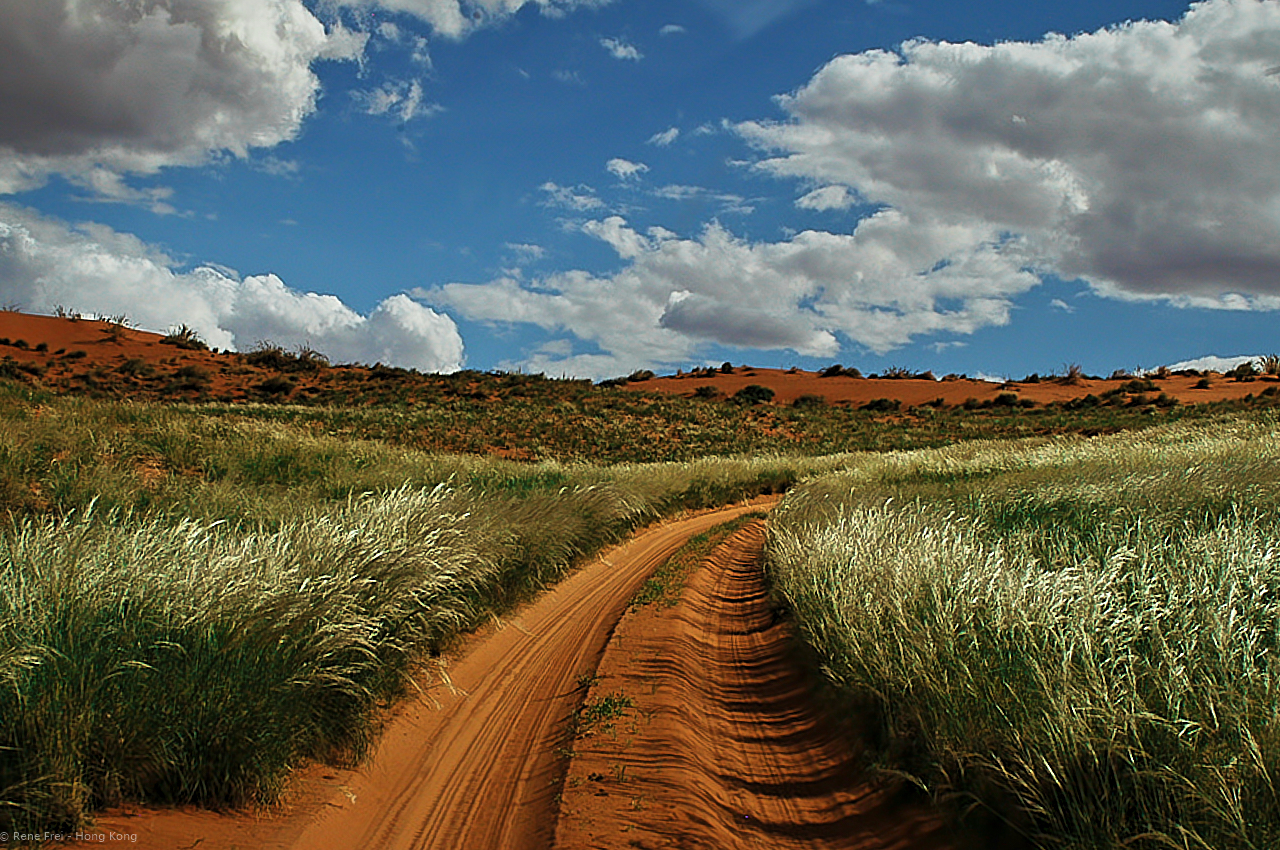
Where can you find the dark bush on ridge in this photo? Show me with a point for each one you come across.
(753, 394)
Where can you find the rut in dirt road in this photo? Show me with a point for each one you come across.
(723, 746)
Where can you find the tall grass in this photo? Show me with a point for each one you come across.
(149, 655)
(1082, 637)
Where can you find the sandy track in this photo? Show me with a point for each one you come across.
(724, 747)
(473, 768)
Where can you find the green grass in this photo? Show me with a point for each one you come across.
(601, 714)
(1080, 636)
(665, 586)
(199, 605)
(195, 599)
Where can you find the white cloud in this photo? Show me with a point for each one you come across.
(105, 185)
(1213, 363)
(277, 167)
(569, 78)
(728, 202)
(671, 29)
(96, 87)
(1140, 158)
(457, 18)
(665, 138)
(619, 49)
(419, 47)
(745, 18)
(527, 252)
(1059, 304)
(45, 262)
(624, 169)
(827, 198)
(400, 99)
(579, 198)
(882, 285)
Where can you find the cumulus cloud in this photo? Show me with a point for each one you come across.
(1140, 158)
(91, 87)
(619, 49)
(624, 168)
(671, 29)
(45, 263)
(881, 285)
(578, 198)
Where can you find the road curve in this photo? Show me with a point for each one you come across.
(724, 746)
(472, 767)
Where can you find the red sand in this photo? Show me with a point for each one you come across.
(789, 385)
(98, 351)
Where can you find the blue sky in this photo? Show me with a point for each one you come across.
(587, 187)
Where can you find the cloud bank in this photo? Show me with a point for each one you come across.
(45, 263)
(1140, 158)
(881, 285)
(101, 87)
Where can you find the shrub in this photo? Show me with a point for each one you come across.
(1245, 371)
(640, 375)
(277, 385)
(268, 355)
(882, 405)
(1139, 385)
(753, 394)
(185, 337)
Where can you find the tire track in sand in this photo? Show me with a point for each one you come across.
(724, 747)
(472, 769)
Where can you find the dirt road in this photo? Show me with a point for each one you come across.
(722, 745)
(473, 768)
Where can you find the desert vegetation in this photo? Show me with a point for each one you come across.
(191, 606)
(1077, 637)
(1061, 614)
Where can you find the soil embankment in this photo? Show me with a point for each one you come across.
(722, 744)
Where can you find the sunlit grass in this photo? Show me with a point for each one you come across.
(253, 596)
(1082, 636)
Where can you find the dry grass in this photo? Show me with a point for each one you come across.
(1081, 636)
